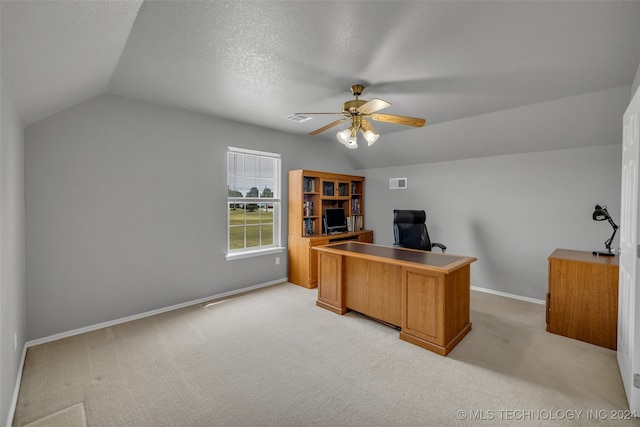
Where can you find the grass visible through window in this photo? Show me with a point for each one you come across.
(259, 228)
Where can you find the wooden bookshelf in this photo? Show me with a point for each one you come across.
(310, 193)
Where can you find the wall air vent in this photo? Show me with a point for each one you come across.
(299, 118)
(397, 183)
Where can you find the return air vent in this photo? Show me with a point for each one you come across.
(298, 118)
(397, 183)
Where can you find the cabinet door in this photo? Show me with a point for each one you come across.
(336, 189)
(344, 189)
(328, 188)
(566, 299)
(583, 301)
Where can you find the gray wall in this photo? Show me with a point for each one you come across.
(12, 252)
(636, 82)
(127, 210)
(510, 212)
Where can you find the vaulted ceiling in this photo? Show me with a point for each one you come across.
(258, 62)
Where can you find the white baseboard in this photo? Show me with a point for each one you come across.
(16, 389)
(90, 328)
(147, 314)
(504, 294)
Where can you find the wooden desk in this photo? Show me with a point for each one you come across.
(426, 294)
(582, 302)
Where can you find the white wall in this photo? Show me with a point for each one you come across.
(127, 210)
(12, 252)
(510, 212)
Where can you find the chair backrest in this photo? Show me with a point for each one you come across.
(410, 230)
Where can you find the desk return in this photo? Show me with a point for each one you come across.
(426, 294)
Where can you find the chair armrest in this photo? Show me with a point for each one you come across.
(440, 245)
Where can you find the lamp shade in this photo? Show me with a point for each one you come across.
(600, 214)
(370, 137)
(343, 136)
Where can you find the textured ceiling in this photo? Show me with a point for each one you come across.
(260, 61)
(55, 54)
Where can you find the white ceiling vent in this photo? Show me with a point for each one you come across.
(299, 118)
(397, 183)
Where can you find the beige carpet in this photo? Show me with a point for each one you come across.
(272, 358)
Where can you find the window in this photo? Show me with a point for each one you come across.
(253, 184)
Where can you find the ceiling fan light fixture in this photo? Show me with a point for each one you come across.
(353, 140)
(343, 136)
(370, 137)
(360, 112)
(352, 143)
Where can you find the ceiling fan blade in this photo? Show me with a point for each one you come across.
(399, 120)
(372, 106)
(311, 114)
(329, 126)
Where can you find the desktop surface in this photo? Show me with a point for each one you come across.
(401, 254)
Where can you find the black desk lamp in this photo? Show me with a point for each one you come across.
(601, 214)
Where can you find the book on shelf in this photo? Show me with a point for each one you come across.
(307, 208)
(355, 206)
(309, 185)
(307, 226)
(354, 223)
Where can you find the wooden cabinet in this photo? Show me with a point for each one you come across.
(582, 302)
(310, 194)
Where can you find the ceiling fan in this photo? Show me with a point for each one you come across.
(359, 111)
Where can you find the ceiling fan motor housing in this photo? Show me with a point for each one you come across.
(351, 107)
(357, 90)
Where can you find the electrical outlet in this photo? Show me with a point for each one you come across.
(277, 260)
(15, 340)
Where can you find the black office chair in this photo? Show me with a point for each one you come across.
(410, 231)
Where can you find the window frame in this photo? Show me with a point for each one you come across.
(276, 201)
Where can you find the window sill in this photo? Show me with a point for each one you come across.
(251, 254)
